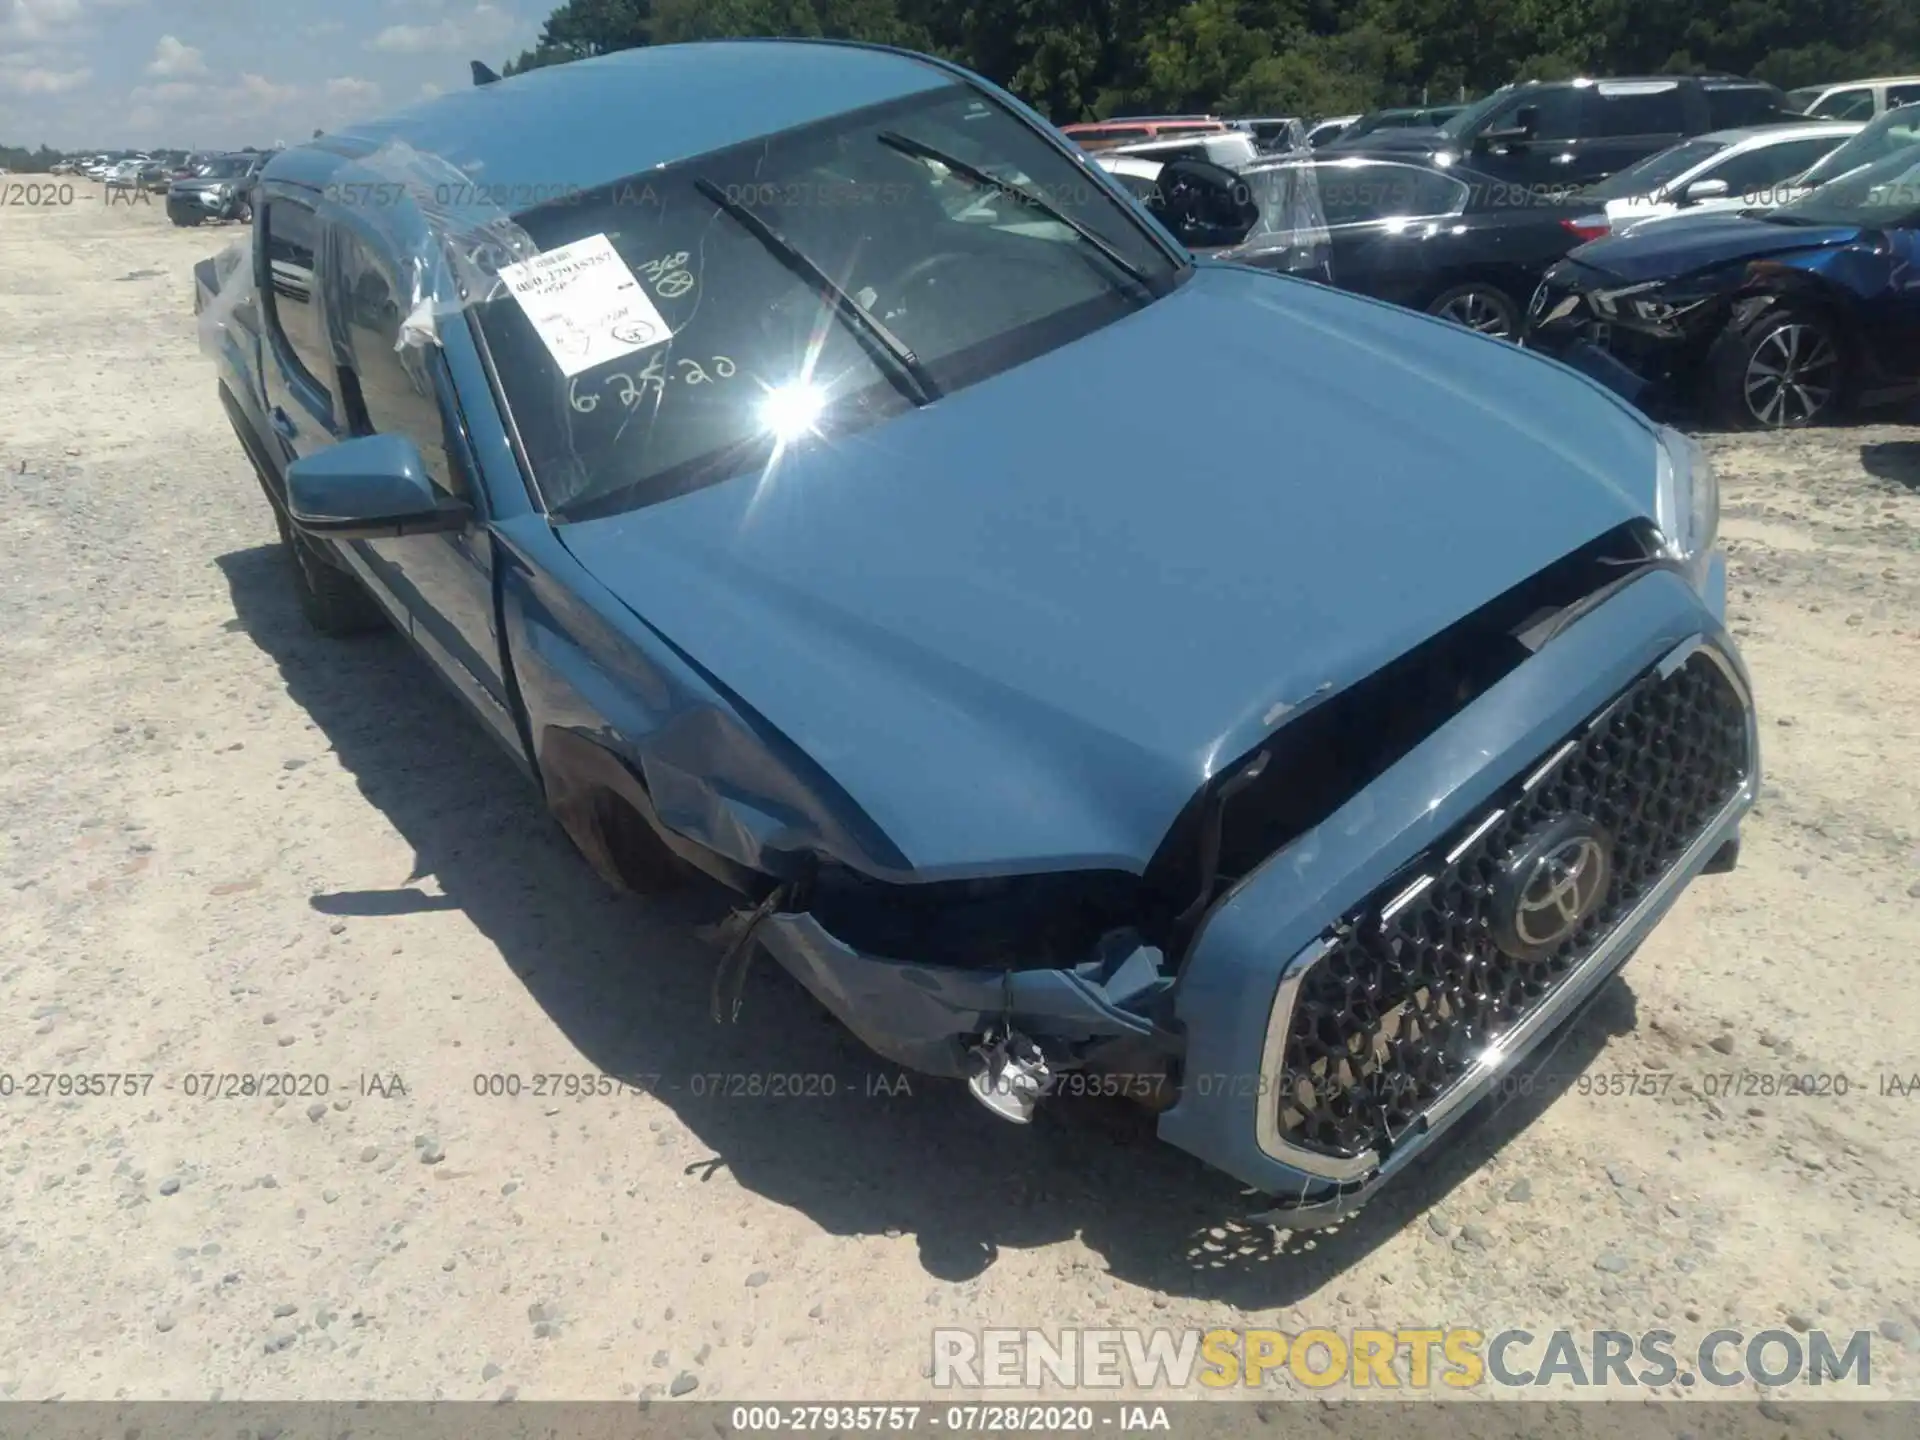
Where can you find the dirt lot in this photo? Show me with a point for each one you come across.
(231, 846)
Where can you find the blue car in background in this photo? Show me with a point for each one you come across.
(1766, 319)
(733, 426)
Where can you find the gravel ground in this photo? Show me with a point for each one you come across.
(231, 846)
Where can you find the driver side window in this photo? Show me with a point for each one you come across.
(387, 390)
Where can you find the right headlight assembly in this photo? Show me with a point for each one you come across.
(1687, 503)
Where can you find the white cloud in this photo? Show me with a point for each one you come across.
(44, 82)
(171, 58)
(350, 91)
(428, 89)
(172, 92)
(484, 27)
(27, 21)
(259, 91)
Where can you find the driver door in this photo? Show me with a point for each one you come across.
(1895, 319)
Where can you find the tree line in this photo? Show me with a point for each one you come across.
(1083, 59)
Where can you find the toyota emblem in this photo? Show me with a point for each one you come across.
(1550, 886)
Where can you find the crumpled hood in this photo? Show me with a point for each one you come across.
(1022, 625)
(1671, 250)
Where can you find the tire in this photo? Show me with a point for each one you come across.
(331, 599)
(1784, 370)
(186, 224)
(1479, 306)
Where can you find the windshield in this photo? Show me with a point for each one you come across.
(793, 290)
(1654, 172)
(1892, 132)
(1800, 99)
(227, 167)
(1470, 118)
(1884, 193)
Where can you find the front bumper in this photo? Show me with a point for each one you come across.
(1651, 365)
(1224, 1024)
(1236, 1003)
(199, 205)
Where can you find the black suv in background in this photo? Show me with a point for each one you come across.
(1570, 133)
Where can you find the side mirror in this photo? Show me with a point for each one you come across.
(370, 488)
(1704, 190)
(1203, 204)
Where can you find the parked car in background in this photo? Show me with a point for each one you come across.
(1446, 240)
(1408, 118)
(1324, 132)
(1772, 319)
(1034, 743)
(1727, 170)
(1568, 133)
(223, 190)
(1131, 129)
(1856, 99)
(1274, 134)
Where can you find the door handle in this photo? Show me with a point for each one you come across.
(282, 423)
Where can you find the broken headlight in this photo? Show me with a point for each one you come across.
(1686, 503)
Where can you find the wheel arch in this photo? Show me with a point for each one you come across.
(602, 803)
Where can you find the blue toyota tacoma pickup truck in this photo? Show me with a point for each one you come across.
(1309, 741)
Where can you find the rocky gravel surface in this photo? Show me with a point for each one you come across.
(232, 848)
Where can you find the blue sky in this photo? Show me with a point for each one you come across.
(225, 73)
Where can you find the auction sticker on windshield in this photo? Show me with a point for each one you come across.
(586, 305)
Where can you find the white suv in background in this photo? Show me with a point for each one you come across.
(1857, 99)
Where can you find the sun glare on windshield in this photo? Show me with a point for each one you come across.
(790, 411)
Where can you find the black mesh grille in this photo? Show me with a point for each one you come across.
(1396, 1011)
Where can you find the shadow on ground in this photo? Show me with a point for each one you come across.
(627, 982)
(1895, 460)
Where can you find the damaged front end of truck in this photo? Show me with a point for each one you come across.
(1015, 982)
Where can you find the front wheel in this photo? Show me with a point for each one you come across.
(1783, 371)
(331, 599)
(1483, 308)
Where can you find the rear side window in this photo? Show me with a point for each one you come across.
(293, 309)
(1759, 170)
(1638, 112)
(1558, 113)
(1898, 95)
(396, 394)
(1854, 104)
(1730, 108)
(1356, 194)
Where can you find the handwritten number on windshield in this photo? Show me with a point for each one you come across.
(631, 389)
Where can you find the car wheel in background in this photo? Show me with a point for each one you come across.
(330, 598)
(1784, 370)
(1483, 308)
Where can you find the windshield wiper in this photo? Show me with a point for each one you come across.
(893, 140)
(909, 374)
